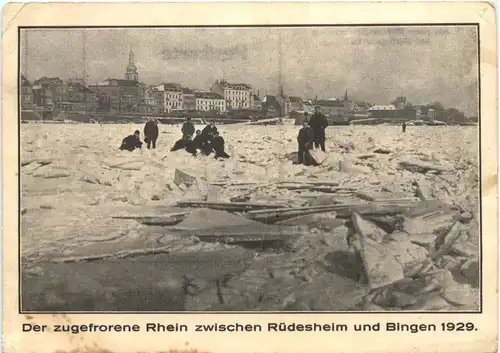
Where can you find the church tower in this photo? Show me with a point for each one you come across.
(131, 73)
(347, 104)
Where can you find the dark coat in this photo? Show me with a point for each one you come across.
(191, 148)
(218, 146)
(206, 147)
(318, 122)
(209, 131)
(188, 129)
(198, 141)
(130, 143)
(179, 145)
(305, 136)
(151, 129)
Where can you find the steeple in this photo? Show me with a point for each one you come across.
(130, 56)
(131, 73)
(345, 96)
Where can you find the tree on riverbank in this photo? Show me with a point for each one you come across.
(449, 115)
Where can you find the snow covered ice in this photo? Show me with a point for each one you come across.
(75, 180)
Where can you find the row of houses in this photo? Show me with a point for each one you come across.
(131, 95)
(125, 95)
(50, 92)
(391, 112)
(401, 110)
(122, 95)
(222, 96)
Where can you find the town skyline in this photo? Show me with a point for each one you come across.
(426, 64)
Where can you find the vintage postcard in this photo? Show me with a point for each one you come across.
(249, 177)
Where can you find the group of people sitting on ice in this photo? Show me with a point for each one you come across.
(206, 141)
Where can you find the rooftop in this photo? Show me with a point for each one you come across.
(236, 86)
(271, 100)
(295, 99)
(207, 95)
(25, 81)
(174, 87)
(77, 86)
(330, 103)
(120, 82)
(48, 80)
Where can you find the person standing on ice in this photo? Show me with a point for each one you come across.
(318, 124)
(151, 133)
(131, 142)
(404, 126)
(188, 128)
(305, 140)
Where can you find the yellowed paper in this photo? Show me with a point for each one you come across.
(363, 235)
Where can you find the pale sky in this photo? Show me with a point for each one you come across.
(375, 64)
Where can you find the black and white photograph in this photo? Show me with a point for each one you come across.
(271, 168)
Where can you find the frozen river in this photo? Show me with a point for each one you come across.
(89, 179)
